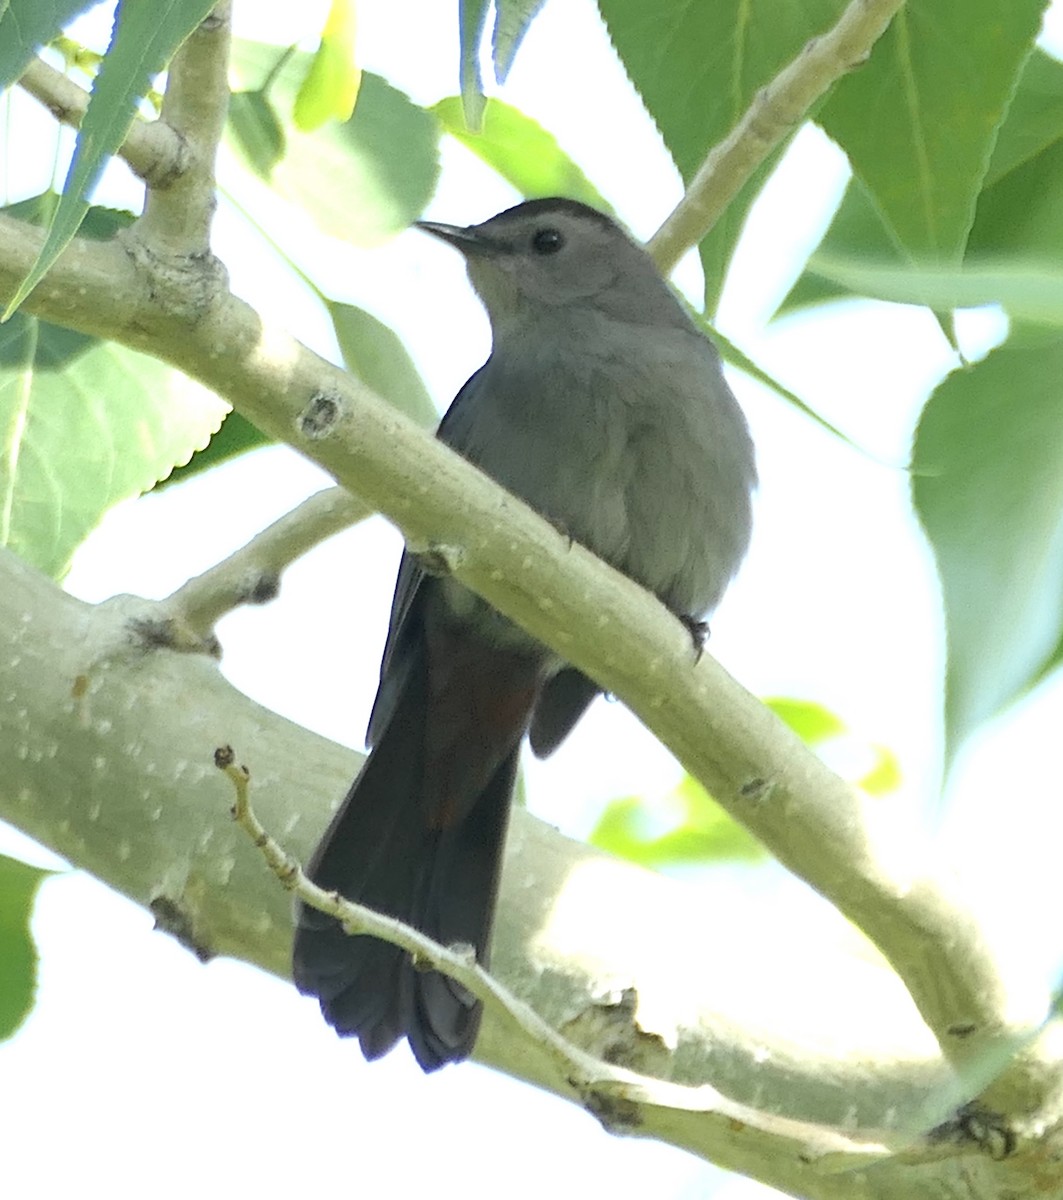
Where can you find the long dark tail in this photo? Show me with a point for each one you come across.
(384, 850)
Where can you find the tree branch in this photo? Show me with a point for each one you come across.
(602, 622)
(152, 149)
(108, 747)
(603, 1087)
(176, 219)
(776, 110)
(108, 750)
(252, 574)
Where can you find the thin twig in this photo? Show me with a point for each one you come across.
(177, 220)
(597, 1083)
(776, 109)
(153, 150)
(251, 575)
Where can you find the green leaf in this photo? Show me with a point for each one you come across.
(1035, 118)
(812, 723)
(701, 831)
(730, 353)
(375, 354)
(938, 84)
(1027, 291)
(83, 424)
(235, 437)
(988, 488)
(521, 151)
(363, 181)
(472, 17)
(26, 26)
(1019, 213)
(330, 86)
(717, 250)
(697, 67)
(512, 19)
(856, 234)
(818, 726)
(257, 132)
(687, 826)
(884, 775)
(1018, 210)
(18, 979)
(372, 352)
(145, 36)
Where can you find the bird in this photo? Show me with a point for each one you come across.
(604, 408)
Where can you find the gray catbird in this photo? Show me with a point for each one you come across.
(605, 409)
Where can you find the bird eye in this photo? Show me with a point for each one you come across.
(547, 241)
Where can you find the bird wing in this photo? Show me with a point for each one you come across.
(405, 628)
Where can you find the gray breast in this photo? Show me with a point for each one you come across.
(644, 457)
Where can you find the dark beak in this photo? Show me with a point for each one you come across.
(464, 238)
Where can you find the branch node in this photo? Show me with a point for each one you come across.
(615, 1115)
(168, 633)
(974, 1124)
(608, 1028)
(185, 287)
(262, 588)
(320, 416)
(440, 559)
(756, 789)
(962, 1029)
(173, 918)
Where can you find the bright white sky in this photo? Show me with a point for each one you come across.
(141, 1071)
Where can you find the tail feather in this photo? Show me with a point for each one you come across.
(465, 870)
(380, 851)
